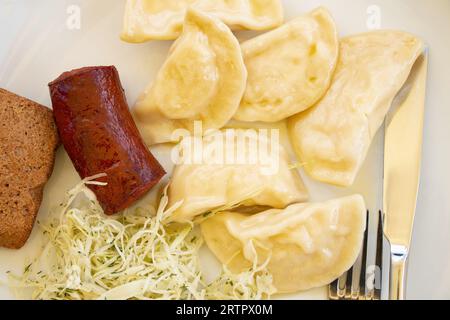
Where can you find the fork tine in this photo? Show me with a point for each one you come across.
(349, 284)
(363, 275)
(343, 288)
(379, 257)
(333, 290)
(341, 285)
(337, 289)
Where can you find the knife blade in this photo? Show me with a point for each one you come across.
(402, 162)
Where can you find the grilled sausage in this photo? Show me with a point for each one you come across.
(100, 136)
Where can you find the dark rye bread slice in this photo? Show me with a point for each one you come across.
(28, 142)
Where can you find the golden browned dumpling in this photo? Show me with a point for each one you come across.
(256, 179)
(290, 68)
(203, 79)
(163, 19)
(309, 245)
(332, 138)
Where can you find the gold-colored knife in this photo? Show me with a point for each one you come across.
(402, 161)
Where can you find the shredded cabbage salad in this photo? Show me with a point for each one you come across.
(136, 255)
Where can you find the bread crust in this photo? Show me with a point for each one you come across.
(28, 143)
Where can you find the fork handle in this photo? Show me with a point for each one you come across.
(399, 259)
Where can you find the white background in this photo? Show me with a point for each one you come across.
(36, 46)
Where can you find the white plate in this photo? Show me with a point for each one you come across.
(37, 45)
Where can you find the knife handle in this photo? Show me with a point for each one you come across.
(399, 259)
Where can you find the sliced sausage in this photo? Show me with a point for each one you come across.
(100, 136)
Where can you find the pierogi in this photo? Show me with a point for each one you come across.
(203, 79)
(290, 68)
(245, 174)
(332, 138)
(305, 245)
(163, 20)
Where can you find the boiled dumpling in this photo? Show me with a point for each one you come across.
(163, 19)
(249, 171)
(203, 79)
(332, 139)
(308, 245)
(290, 68)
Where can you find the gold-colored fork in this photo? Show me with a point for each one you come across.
(368, 286)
